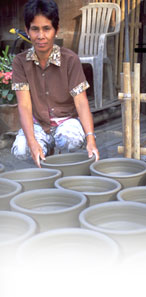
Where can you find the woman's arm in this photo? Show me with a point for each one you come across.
(84, 113)
(26, 119)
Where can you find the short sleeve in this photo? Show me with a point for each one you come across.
(76, 77)
(19, 80)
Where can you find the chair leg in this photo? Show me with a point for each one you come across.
(110, 81)
(98, 82)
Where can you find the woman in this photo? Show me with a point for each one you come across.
(51, 90)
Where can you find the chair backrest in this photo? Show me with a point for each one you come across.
(96, 19)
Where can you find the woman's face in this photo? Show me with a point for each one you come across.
(42, 34)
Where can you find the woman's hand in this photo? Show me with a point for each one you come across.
(36, 152)
(92, 149)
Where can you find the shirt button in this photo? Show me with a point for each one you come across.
(43, 74)
(47, 93)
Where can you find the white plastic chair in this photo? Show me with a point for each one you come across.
(92, 49)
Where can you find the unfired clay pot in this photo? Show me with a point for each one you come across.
(8, 190)
(33, 178)
(2, 168)
(123, 222)
(129, 172)
(137, 194)
(70, 164)
(66, 248)
(14, 229)
(51, 208)
(96, 189)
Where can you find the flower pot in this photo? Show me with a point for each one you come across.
(14, 229)
(8, 190)
(51, 208)
(96, 189)
(9, 118)
(33, 178)
(66, 248)
(123, 222)
(137, 194)
(129, 172)
(2, 168)
(70, 164)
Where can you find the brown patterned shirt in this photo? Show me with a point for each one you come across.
(52, 89)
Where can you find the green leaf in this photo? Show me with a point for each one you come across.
(5, 52)
(10, 97)
(5, 93)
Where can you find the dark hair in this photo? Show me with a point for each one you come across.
(47, 8)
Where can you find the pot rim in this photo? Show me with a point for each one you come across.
(13, 183)
(69, 231)
(67, 164)
(108, 205)
(126, 190)
(57, 173)
(31, 230)
(111, 160)
(68, 178)
(82, 202)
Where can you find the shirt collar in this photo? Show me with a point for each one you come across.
(54, 58)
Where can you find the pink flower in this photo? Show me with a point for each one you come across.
(1, 74)
(5, 81)
(8, 75)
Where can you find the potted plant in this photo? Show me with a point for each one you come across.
(8, 102)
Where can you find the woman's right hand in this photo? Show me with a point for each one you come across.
(36, 152)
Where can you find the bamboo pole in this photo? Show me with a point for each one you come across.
(126, 53)
(121, 38)
(116, 54)
(123, 95)
(127, 112)
(137, 28)
(132, 24)
(136, 113)
(121, 150)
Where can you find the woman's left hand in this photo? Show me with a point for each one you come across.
(92, 150)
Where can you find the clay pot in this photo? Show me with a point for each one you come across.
(137, 194)
(2, 168)
(33, 178)
(123, 222)
(9, 116)
(51, 208)
(70, 164)
(64, 248)
(8, 189)
(96, 189)
(14, 229)
(129, 172)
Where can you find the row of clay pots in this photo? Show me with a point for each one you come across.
(96, 189)
(129, 172)
(61, 208)
(58, 208)
(123, 223)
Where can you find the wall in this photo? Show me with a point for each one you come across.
(11, 15)
(70, 21)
